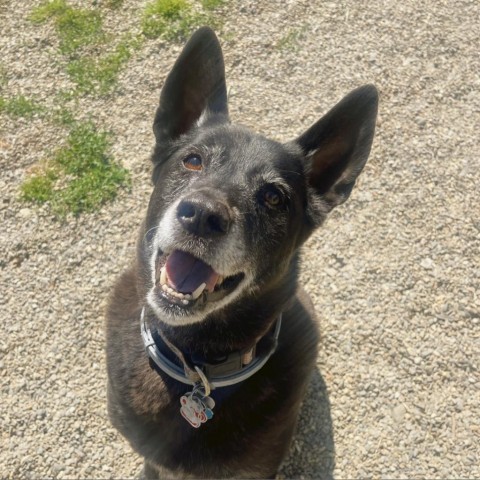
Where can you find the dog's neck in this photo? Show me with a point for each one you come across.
(229, 369)
(220, 333)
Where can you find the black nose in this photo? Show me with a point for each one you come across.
(204, 217)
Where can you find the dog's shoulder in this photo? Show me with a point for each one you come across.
(300, 320)
(298, 341)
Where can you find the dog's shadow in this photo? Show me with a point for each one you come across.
(312, 453)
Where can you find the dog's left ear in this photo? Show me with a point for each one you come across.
(338, 145)
(196, 83)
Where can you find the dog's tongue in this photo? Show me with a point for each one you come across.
(186, 273)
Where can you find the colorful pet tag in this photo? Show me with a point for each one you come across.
(196, 407)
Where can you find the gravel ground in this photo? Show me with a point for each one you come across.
(394, 274)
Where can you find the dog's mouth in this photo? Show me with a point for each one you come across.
(185, 281)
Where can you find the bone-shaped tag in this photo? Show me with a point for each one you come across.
(196, 408)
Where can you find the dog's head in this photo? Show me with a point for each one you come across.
(230, 207)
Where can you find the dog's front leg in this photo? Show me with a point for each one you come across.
(152, 472)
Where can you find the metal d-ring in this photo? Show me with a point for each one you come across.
(204, 379)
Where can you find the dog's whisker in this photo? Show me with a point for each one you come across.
(150, 230)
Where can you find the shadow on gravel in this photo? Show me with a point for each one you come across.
(312, 454)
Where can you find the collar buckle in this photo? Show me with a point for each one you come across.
(227, 365)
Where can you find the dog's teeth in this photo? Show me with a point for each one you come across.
(220, 279)
(198, 291)
(163, 276)
(184, 297)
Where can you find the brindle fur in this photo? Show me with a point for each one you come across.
(254, 421)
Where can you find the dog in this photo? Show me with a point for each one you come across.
(210, 339)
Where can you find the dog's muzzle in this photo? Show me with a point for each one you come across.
(184, 280)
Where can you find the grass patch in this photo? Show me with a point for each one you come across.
(78, 28)
(47, 10)
(174, 19)
(163, 17)
(39, 187)
(75, 27)
(80, 177)
(100, 74)
(20, 106)
(63, 116)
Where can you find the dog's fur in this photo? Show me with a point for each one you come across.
(245, 211)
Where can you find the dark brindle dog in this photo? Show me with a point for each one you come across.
(210, 339)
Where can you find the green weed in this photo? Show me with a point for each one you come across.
(63, 116)
(86, 150)
(167, 9)
(47, 10)
(20, 106)
(172, 19)
(100, 74)
(80, 176)
(75, 27)
(158, 16)
(87, 192)
(39, 187)
(78, 28)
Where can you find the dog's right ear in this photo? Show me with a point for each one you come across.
(196, 83)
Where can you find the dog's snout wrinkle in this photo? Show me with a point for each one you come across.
(204, 217)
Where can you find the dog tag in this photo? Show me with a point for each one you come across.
(196, 407)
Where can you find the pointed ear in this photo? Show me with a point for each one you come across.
(196, 83)
(338, 145)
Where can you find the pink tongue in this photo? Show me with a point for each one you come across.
(186, 273)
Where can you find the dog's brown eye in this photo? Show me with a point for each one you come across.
(193, 162)
(272, 198)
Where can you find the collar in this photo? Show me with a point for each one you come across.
(235, 368)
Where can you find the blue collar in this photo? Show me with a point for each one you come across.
(235, 368)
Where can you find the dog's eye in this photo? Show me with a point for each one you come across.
(193, 162)
(272, 197)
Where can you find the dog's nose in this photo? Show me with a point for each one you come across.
(204, 217)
